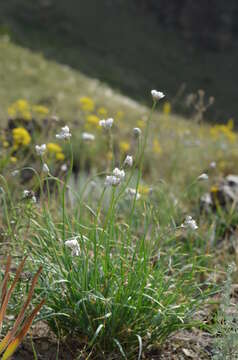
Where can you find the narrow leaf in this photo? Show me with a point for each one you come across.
(5, 280)
(96, 334)
(120, 348)
(8, 338)
(15, 343)
(140, 346)
(8, 294)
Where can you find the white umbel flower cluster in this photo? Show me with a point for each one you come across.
(106, 124)
(64, 167)
(64, 133)
(157, 95)
(87, 136)
(203, 177)
(74, 246)
(15, 172)
(213, 165)
(40, 149)
(128, 161)
(116, 178)
(132, 193)
(189, 223)
(28, 194)
(119, 173)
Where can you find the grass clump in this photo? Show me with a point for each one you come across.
(119, 274)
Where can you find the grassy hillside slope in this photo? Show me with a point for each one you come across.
(29, 75)
(181, 148)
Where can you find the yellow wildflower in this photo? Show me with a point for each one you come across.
(167, 108)
(144, 189)
(231, 136)
(92, 120)
(54, 148)
(13, 159)
(223, 130)
(60, 156)
(5, 144)
(119, 115)
(20, 108)
(40, 109)
(102, 112)
(156, 147)
(222, 165)
(86, 103)
(214, 189)
(21, 137)
(12, 111)
(26, 115)
(230, 124)
(22, 105)
(109, 155)
(124, 146)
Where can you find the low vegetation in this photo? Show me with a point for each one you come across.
(108, 197)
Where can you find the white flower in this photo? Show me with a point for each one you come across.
(64, 133)
(213, 165)
(157, 95)
(26, 193)
(119, 173)
(137, 132)
(33, 199)
(106, 124)
(112, 180)
(189, 223)
(55, 118)
(87, 136)
(203, 177)
(102, 123)
(132, 193)
(128, 161)
(93, 184)
(40, 149)
(64, 167)
(74, 246)
(45, 168)
(15, 172)
(109, 123)
(116, 177)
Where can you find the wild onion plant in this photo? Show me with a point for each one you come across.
(116, 278)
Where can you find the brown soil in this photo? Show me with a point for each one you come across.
(184, 345)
